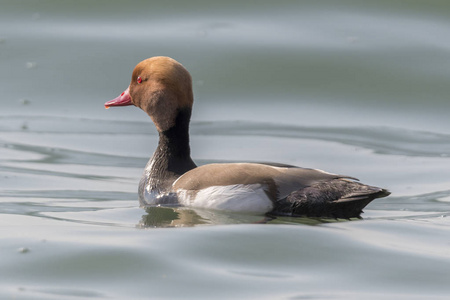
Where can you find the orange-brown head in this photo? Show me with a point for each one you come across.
(161, 87)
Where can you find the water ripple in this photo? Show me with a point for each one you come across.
(381, 140)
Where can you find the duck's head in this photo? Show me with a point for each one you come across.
(161, 87)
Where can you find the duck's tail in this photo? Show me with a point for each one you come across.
(339, 198)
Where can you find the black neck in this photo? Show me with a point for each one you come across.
(172, 157)
(174, 142)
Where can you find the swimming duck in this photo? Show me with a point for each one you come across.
(162, 88)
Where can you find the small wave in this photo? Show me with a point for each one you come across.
(381, 140)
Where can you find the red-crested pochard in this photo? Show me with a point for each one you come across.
(162, 87)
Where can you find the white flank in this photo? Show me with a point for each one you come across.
(238, 198)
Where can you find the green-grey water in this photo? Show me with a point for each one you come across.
(351, 87)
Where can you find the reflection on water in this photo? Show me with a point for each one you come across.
(170, 217)
(189, 217)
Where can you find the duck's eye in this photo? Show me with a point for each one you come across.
(139, 79)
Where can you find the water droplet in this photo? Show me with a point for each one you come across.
(24, 101)
(23, 250)
(31, 65)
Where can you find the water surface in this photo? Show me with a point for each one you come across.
(351, 87)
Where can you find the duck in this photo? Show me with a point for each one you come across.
(162, 87)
